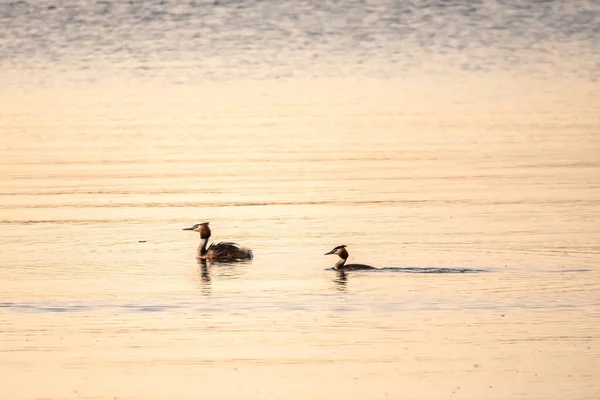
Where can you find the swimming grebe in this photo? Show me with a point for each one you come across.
(341, 264)
(218, 251)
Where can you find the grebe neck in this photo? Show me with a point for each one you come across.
(340, 263)
(202, 246)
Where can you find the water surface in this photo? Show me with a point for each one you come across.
(453, 146)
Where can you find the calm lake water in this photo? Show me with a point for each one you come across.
(426, 136)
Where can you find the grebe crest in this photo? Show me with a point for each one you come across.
(341, 265)
(218, 251)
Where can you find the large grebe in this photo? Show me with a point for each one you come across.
(218, 251)
(341, 264)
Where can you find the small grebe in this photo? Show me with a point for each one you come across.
(218, 251)
(341, 264)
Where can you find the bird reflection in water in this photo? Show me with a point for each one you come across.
(219, 270)
(341, 281)
(205, 280)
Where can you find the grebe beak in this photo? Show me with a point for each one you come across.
(188, 229)
(331, 252)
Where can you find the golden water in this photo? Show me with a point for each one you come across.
(421, 134)
(102, 297)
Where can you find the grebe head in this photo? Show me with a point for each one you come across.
(202, 228)
(340, 251)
